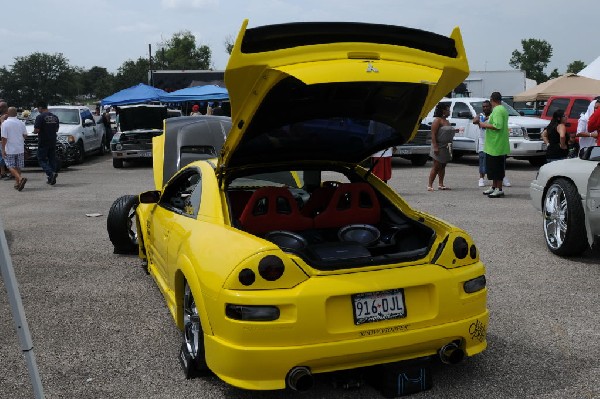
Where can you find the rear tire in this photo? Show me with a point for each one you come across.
(564, 219)
(121, 224)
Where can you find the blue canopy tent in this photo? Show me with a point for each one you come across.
(196, 93)
(134, 95)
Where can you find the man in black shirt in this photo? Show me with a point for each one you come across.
(46, 126)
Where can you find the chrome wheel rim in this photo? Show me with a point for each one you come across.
(191, 323)
(132, 225)
(555, 217)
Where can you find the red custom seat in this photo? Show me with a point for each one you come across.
(273, 208)
(351, 203)
(318, 201)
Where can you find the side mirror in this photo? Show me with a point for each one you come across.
(150, 197)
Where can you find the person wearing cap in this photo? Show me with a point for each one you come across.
(195, 110)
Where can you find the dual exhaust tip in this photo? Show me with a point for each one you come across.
(301, 379)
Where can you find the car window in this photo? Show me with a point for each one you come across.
(580, 106)
(459, 107)
(182, 194)
(86, 114)
(67, 116)
(556, 104)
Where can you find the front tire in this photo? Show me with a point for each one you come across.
(117, 163)
(564, 219)
(192, 353)
(80, 157)
(121, 224)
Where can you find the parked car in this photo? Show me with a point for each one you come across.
(274, 246)
(78, 131)
(567, 192)
(573, 105)
(138, 124)
(525, 132)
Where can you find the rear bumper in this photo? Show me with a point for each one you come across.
(408, 150)
(232, 363)
(316, 327)
(128, 154)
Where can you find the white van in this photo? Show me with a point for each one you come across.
(525, 132)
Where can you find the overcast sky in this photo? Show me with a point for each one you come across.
(108, 32)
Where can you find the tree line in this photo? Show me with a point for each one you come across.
(52, 78)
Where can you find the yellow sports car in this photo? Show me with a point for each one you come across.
(274, 246)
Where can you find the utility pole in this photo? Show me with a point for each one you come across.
(150, 81)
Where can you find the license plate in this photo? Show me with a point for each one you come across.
(544, 146)
(370, 307)
(404, 152)
(146, 154)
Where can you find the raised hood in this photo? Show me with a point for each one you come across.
(333, 92)
(141, 117)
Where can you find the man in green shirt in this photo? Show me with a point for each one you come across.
(497, 145)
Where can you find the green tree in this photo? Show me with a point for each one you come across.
(181, 52)
(229, 44)
(533, 59)
(131, 73)
(97, 82)
(40, 76)
(575, 66)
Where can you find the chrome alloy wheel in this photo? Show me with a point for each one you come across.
(132, 225)
(555, 216)
(191, 324)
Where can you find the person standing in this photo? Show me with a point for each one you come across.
(486, 107)
(496, 146)
(555, 137)
(108, 132)
(3, 170)
(442, 134)
(13, 146)
(46, 126)
(594, 123)
(587, 139)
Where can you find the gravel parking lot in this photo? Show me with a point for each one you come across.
(101, 329)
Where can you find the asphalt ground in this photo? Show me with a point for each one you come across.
(101, 329)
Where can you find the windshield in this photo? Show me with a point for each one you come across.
(66, 116)
(478, 107)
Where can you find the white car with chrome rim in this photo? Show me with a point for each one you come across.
(567, 192)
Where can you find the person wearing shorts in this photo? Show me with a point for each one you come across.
(13, 146)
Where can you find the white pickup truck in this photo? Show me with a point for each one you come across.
(525, 132)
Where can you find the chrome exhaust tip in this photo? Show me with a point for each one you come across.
(300, 379)
(451, 353)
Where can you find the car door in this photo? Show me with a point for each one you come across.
(90, 132)
(461, 115)
(173, 219)
(592, 202)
